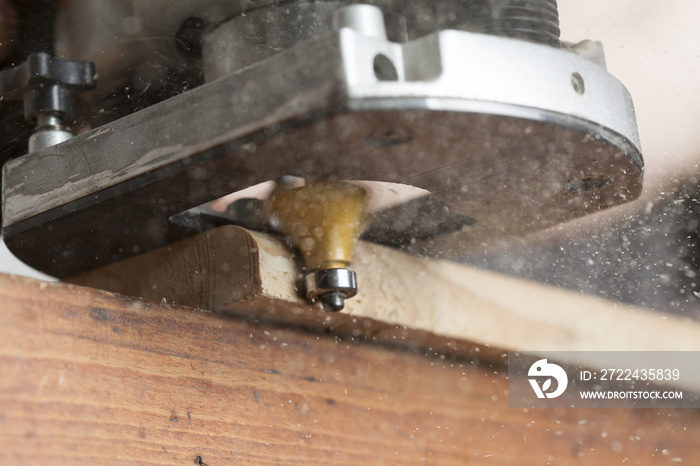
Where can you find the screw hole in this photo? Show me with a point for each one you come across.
(577, 83)
(389, 137)
(384, 69)
(590, 183)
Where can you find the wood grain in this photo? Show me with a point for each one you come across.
(92, 377)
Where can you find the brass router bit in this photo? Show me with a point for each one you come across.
(324, 219)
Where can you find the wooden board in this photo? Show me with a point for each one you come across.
(90, 377)
(402, 299)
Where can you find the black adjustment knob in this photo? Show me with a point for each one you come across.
(47, 84)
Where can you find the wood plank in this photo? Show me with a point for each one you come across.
(97, 378)
(402, 298)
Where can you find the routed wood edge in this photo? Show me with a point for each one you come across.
(402, 298)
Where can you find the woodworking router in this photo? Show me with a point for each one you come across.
(128, 117)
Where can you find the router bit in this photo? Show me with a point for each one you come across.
(324, 219)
